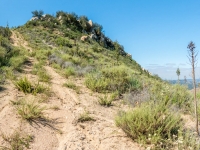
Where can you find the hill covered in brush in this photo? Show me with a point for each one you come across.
(69, 86)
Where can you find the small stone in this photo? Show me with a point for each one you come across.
(82, 137)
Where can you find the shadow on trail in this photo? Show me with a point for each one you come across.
(36, 123)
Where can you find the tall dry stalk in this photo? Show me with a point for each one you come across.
(192, 55)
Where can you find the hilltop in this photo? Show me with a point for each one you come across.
(66, 85)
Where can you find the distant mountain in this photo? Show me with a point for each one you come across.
(188, 83)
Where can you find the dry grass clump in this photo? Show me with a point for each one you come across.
(29, 110)
(16, 141)
(85, 117)
(105, 101)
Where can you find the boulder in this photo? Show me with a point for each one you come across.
(34, 18)
(90, 23)
(60, 17)
(84, 38)
(129, 55)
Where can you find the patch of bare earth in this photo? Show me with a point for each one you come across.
(18, 40)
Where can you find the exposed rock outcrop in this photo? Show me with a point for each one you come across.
(84, 38)
(90, 23)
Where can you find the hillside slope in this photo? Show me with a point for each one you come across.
(65, 85)
(64, 106)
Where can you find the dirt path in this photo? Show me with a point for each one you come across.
(9, 120)
(18, 40)
(101, 134)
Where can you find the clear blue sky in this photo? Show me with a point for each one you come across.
(155, 32)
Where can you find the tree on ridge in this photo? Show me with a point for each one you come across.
(178, 73)
(37, 13)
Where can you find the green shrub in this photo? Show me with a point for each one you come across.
(26, 86)
(63, 42)
(188, 140)
(39, 70)
(111, 80)
(39, 88)
(56, 66)
(95, 48)
(42, 55)
(9, 73)
(43, 76)
(16, 62)
(150, 124)
(70, 71)
(176, 94)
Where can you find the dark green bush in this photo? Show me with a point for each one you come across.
(63, 42)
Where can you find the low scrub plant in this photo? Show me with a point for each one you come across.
(105, 101)
(17, 61)
(117, 78)
(85, 117)
(176, 94)
(72, 86)
(187, 140)
(43, 76)
(2, 77)
(9, 73)
(70, 71)
(41, 72)
(42, 54)
(152, 124)
(23, 84)
(16, 141)
(30, 111)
